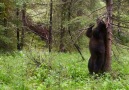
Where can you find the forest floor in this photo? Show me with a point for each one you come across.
(59, 71)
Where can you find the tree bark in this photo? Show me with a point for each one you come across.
(109, 4)
(23, 23)
(18, 32)
(62, 28)
(50, 26)
(62, 32)
(5, 20)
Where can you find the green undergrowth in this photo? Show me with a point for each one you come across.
(38, 70)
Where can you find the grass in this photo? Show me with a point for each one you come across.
(59, 71)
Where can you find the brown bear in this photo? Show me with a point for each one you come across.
(97, 47)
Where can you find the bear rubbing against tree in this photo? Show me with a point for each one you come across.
(97, 47)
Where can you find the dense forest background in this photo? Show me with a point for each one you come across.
(67, 15)
(33, 58)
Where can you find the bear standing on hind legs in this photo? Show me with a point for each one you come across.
(97, 47)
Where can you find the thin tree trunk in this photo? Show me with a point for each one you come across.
(109, 4)
(5, 25)
(50, 26)
(18, 32)
(23, 23)
(5, 22)
(62, 30)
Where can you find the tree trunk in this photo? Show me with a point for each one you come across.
(5, 25)
(23, 23)
(109, 35)
(5, 21)
(62, 29)
(62, 32)
(50, 26)
(18, 32)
